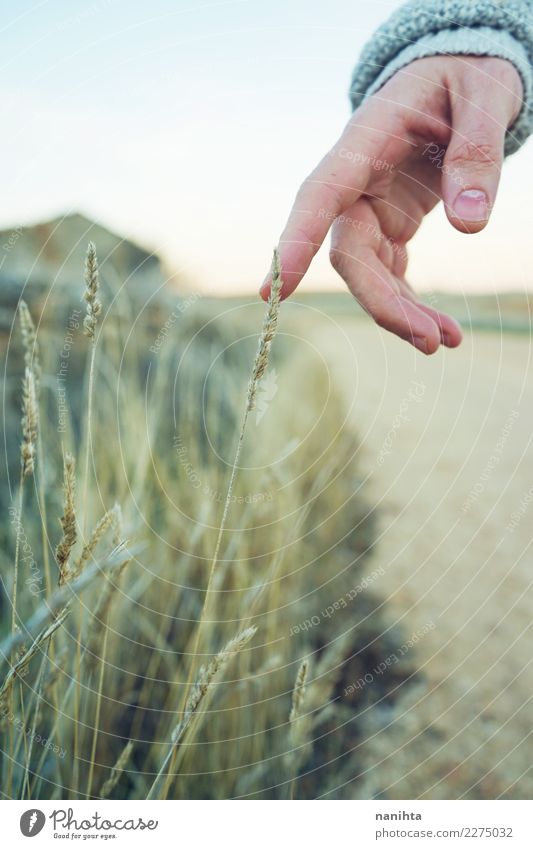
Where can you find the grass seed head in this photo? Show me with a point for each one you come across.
(30, 423)
(94, 307)
(32, 357)
(298, 693)
(100, 529)
(205, 679)
(117, 770)
(270, 324)
(68, 519)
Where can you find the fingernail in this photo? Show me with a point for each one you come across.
(421, 343)
(472, 205)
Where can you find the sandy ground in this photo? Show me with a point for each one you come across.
(446, 441)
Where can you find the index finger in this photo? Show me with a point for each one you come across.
(335, 184)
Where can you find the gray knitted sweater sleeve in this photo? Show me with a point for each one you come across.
(420, 28)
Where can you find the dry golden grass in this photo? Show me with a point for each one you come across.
(163, 664)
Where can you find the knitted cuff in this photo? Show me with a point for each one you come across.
(476, 28)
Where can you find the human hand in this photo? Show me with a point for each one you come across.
(434, 131)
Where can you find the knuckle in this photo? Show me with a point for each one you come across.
(478, 151)
(497, 69)
(332, 196)
(299, 235)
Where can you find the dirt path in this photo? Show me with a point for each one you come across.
(448, 443)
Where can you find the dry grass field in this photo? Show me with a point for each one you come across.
(320, 594)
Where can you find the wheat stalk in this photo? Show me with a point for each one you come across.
(30, 423)
(298, 693)
(18, 668)
(298, 727)
(32, 358)
(94, 308)
(30, 426)
(68, 519)
(98, 532)
(117, 770)
(266, 337)
(92, 285)
(197, 696)
(270, 324)
(101, 616)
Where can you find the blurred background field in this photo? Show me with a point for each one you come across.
(379, 535)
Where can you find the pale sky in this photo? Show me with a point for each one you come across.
(189, 126)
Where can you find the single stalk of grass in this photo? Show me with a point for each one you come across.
(68, 520)
(116, 773)
(97, 712)
(94, 308)
(268, 332)
(298, 693)
(87, 552)
(295, 720)
(25, 783)
(102, 617)
(30, 426)
(195, 701)
(30, 423)
(99, 530)
(32, 360)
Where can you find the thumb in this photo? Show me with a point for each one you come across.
(473, 161)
